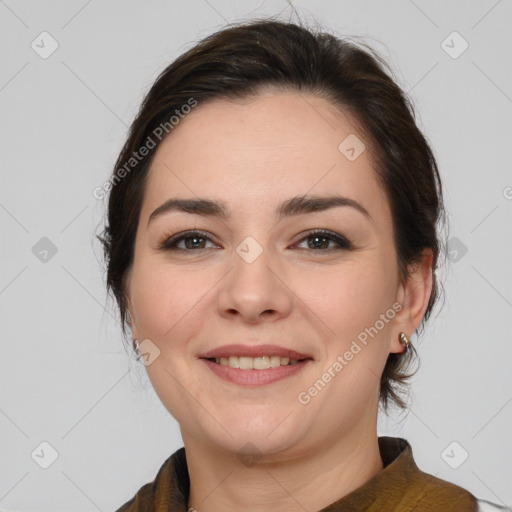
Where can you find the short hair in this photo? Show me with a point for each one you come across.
(243, 59)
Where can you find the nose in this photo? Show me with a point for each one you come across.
(255, 291)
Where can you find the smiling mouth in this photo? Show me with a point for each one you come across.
(255, 363)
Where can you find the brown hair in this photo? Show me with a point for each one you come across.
(239, 61)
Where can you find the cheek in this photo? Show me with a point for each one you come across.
(350, 301)
(348, 298)
(161, 296)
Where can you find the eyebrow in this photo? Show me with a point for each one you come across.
(293, 206)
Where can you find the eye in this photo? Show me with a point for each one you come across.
(319, 240)
(193, 240)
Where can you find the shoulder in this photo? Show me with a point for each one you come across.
(448, 496)
(168, 490)
(422, 491)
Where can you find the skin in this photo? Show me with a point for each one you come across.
(253, 154)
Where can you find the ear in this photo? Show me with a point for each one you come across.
(413, 295)
(130, 318)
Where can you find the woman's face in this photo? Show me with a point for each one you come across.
(258, 275)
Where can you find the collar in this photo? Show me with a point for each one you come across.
(400, 487)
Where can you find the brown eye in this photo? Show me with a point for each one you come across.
(192, 240)
(320, 240)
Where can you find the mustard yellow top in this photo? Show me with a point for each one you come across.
(399, 487)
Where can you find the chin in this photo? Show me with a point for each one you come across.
(255, 439)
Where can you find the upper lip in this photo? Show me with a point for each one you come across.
(253, 351)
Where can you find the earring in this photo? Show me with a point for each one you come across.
(404, 340)
(136, 347)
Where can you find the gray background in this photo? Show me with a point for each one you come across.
(65, 378)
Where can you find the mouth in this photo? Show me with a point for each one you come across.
(255, 365)
(260, 352)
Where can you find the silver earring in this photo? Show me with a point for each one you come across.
(404, 340)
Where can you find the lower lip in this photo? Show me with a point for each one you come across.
(255, 377)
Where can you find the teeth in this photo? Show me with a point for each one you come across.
(255, 363)
(275, 361)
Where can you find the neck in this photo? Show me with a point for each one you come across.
(310, 482)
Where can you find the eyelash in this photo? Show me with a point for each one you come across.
(170, 244)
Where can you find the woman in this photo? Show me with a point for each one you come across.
(272, 245)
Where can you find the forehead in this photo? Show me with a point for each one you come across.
(263, 147)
